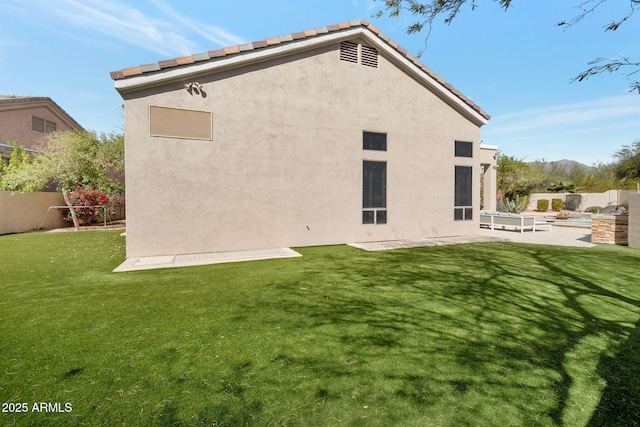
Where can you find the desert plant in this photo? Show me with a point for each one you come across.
(542, 205)
(515, 205)
(556, 205)
(593, 209)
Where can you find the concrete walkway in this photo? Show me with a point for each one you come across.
(190, 260)
(561, 236)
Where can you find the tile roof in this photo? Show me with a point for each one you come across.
(287, 38)
(20, 101)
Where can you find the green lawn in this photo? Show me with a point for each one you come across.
(480, 334)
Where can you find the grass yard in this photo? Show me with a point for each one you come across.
(480, 334)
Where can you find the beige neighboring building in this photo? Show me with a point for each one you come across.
(26, 119)
(326, 136)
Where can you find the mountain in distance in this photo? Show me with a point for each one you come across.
(565, 164)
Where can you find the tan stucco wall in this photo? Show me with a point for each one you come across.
(20, 212)
(15, 125)
(284, 167)
(488, 160)
(634, 220)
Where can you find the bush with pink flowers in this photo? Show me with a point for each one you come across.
(90, 200)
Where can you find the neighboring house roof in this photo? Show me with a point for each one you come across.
(14, 102)
(174, 69)
(9, 147)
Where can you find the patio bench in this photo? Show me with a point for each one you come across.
(516, 221)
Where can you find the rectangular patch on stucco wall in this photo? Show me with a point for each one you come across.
(180, 123)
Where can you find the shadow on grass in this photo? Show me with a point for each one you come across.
(469, 327)
(620, 401)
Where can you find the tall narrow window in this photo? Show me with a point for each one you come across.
(463, 193)
(374, 192)
(374, 141)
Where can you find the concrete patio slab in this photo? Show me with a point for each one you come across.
(190, 260)
(559, 236)
(418, 243)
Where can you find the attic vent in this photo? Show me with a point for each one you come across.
(369, 56)
(349, 51)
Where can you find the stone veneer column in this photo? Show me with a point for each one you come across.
(610, 229)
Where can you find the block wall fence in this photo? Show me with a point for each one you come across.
(586, 200)
(20, 212)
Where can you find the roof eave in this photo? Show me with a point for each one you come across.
(407, 63)
(40, 101)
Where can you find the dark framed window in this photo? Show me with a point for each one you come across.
(374, 141)
(368, 217)
(463, 193)
(464, 149)
(374, 192)
(37, 124)
(41, 125)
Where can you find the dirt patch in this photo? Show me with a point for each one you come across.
(114, 225)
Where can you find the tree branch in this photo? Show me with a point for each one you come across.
(588, 7)
(429, 11)
(602, 65)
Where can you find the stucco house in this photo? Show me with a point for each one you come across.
(26, 119)
(326, 136)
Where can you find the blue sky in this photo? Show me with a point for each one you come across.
(517, 65)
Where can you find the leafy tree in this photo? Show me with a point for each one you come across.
(561, 176)
(602, 178)
(19, 155)
(515, 176)
(628, 166)
(428, 11)
(71, 160)
(563, 187)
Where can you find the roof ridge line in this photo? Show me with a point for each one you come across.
(287, 38)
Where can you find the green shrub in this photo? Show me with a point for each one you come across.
(573, 201)
(543, 205)
(556, 205)
(593, 209)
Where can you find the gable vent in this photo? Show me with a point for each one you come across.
(349, 51)
(369, 56)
